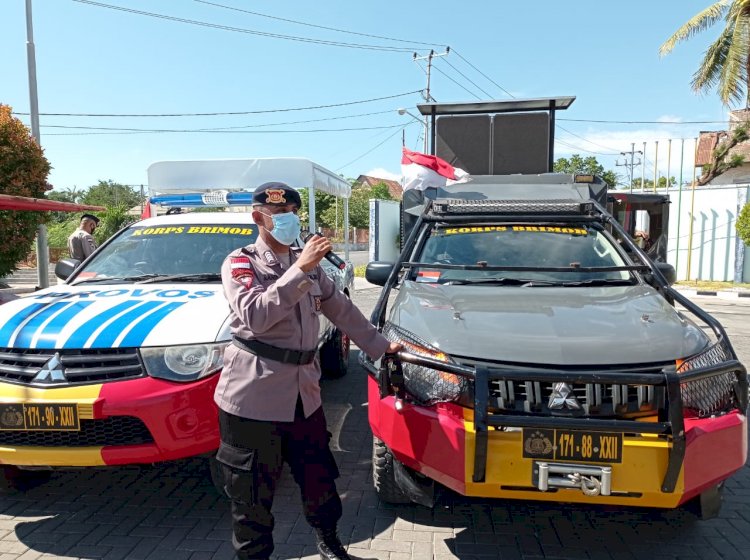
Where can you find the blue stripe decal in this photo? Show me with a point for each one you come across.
(107, 337)
(79, 337)
(7, 330)
(27, 332)
(48, 337)
(141, 330)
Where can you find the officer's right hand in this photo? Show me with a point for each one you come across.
(313, 252)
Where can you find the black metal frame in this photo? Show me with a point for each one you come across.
(391, 381)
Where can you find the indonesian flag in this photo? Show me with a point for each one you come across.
(146, 209)
(421, 171)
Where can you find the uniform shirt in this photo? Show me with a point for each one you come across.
(81, 244)
(281, 306)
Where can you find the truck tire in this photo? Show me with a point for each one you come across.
(334, 356)
(22, 480)
(383, 475)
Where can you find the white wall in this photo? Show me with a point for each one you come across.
(385, 226)
(709, 251)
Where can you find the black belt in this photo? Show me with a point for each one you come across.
(298, 357)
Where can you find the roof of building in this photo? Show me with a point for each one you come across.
(394, 187)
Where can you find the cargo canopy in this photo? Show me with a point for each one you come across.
(242, 174)
(233, 175)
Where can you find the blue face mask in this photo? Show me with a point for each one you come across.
(286, 227)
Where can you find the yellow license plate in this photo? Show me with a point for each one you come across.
(572, 445)
(50, 417)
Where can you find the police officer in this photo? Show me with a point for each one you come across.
(269, 393)
(81, 242)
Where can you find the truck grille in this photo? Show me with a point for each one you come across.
(116, 430)
(577, 399)
(79, 366)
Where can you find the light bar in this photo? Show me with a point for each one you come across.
(215, 198)
(526, 207)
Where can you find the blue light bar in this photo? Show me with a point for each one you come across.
(204, 199)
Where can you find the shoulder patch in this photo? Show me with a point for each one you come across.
(242, 270)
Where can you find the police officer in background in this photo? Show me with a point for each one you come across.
(81, 242)
(268, 393)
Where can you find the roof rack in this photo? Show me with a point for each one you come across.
(513, 207)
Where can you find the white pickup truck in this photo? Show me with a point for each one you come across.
(118, 365)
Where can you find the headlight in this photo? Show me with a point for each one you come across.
(427, 385)
(183, 363)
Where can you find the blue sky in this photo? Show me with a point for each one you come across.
(93, 59)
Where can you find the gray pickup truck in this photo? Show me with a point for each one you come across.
(546, 357)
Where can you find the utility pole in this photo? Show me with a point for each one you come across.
(630, 164)
(426, 93)
(42, 251)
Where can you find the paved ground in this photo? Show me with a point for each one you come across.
(171, 512)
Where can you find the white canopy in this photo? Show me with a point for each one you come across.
(242, 175)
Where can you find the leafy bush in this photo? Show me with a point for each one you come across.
(743, 224)
(23, 172)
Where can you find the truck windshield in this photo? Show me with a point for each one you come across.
(168, 250)
(570, 246)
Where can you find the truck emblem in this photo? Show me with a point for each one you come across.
(538, 444)
(52, 371)
(562, 397)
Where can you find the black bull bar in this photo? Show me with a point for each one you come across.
(391, 379)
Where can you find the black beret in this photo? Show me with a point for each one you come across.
(91, 217)
(276, 194)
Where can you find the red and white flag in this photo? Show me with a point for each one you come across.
(146, 210)
(421, 171)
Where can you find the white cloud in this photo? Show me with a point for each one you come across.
(382, 173)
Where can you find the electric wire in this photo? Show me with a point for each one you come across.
(104, 130)
(227, 113)
(314, 25)
(457, 83)
(458, 54)
(373, 148)
(245, 30)
(465, 77)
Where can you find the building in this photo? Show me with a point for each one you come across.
(394, 187)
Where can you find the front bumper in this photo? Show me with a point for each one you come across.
(142, 420)
(655, 469)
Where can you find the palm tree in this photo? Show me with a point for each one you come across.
(726, 64)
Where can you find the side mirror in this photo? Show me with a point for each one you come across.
(378, 272)
(667, 271)
(65, 267)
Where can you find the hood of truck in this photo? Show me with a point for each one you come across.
(548, 325)
(114, 316)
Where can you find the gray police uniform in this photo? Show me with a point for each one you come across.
(269, 393)
(81, 244)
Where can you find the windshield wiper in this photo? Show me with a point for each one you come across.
(114, 279)
(600, 282)
(198, 277)
(493, 281)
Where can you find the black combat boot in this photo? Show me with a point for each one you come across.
(329, 545)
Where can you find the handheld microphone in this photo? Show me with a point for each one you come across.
(330, 256)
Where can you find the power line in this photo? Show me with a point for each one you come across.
(466, 77)
(457, 83)
(314, 25)
(225, 113)
(643, 122)
(483, 74)
(207, 131)
(590, 141)
(245, 30)
(372, 149)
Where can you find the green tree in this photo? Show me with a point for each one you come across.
(727, 60)
(111, 194)
(113, 220)
(23, 172)
(68, 195)
(584, 166)
(743, 224)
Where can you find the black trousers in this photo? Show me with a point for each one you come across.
(252, 453)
